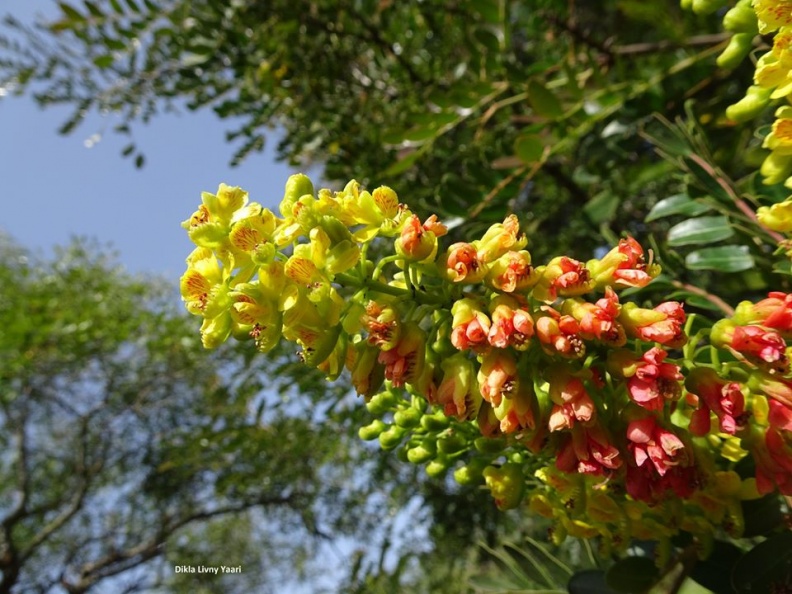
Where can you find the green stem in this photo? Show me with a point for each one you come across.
(378, 287)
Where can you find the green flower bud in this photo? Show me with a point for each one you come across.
(489, 445)
(741, 19)
(372, 431)
(776, 168)
(506, 483)
(740, 45)
(407, 418)
(423, 452)
(437, 467)
(392, 437)
(297, 186)
(435, 422)
(451, 443)
(707, 6)
(472, 472)
(381, 403)
(755, 101)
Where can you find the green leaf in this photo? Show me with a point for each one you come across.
(103, 61)
(402, 164)
(117, 6)
(589, 581)
(632, 575)
(680, 204)
(71, 12)
(700, 230)
(543, 100)
(728, 258)
(714, 572)
(762, 515)
(529, 147)
(766, 565)
(94, 10)
(709, 179)
(602, 207)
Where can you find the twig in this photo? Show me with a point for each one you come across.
(714, 299)
(668, 45)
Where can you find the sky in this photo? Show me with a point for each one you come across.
(58, 188)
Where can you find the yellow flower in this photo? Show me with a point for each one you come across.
(777, 217)
(777, 166)
(773, 14)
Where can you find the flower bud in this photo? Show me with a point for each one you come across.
(392, 437)
(372, 430)
(755, 101)
(741, 18)
(739, 46)
(297, 186)
(499, 239)
(506, 483)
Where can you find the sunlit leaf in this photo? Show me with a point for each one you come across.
(728, 258)
(700, 230)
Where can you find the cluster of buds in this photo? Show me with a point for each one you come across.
(772, 82)
(473, 357)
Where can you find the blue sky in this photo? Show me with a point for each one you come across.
(56, 187)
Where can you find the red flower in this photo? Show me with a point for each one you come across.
(623, 266)
(723, 398)
(659, 461)
(497, 376)
(653, 381)
(588, 450)
(663, 324)
(470, 326)
(759, 345)
(571, 401)
(598, 320)
(774, 312)
(511, 324)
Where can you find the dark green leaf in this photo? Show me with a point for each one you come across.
(714, 572)
(488, 9)
(529, 147)
(700, 230)
(680, 204)
(116, 4)
(601, 208)
(72, 13)
(728, 258)
(632, 575)
(590, 581)
(709, 178)
(766, 566)
(140, 160)
(94, 9)
(543, 100)
(402, 164)
(762, 515)
(103, 61)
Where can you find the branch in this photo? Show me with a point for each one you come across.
(117, 562)
(669, 45)
(714, 299)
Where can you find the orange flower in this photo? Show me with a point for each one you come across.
(511, 324)
(513, 272)
(470, 324)
(663, 324)
(497, 376)
(565, 277)
(463, 264)
(598, 320)
(559, 334)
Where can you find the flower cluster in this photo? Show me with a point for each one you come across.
(518, 374)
